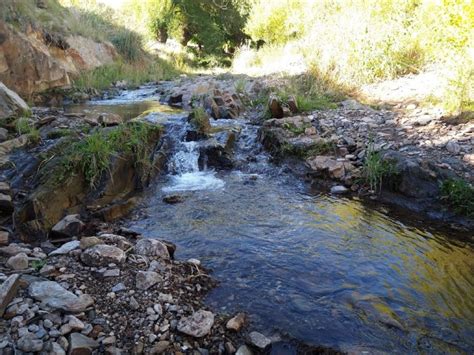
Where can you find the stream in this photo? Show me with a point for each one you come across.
(325, 270)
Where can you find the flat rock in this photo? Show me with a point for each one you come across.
(244, 350)
(79, 344)
(197, 325)
(18, 262)
(29, 343)
(87, 242)
(55, 296)
(66, 248)
(13, 249)
(8, 291)
(152, 247)
(259, 340)
(103, 255)
(70, 226)
(146, 279)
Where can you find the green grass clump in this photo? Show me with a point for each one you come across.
(24, 126)
(128, 44)
(376, 169)
(60, 132)
(200, 120)
(92, 155)
(459, 194)
(303, 152)
(133, 73)
(306, 104)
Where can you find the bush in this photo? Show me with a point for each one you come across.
(459, 195)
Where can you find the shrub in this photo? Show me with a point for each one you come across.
(459, 194)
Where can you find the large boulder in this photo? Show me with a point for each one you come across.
(69, 226)
(10, 103)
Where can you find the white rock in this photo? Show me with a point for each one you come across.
(259, 340)
(151, 247)
(66, 248)
(18, 262)
(197, 325)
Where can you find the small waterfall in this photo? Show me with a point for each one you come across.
(183, 167)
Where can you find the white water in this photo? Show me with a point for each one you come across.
(184, 167)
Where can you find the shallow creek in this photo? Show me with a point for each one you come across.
(324, 270)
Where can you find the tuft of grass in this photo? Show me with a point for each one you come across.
(37, 265)
(92, 155)
(303, 152)
(240, 86)
(128, 44)
(133, 73)
(376, 169)
(24, 126)
(459, 194)
(200, 120)
(60, 132)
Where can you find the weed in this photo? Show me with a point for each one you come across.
(128, 44)
(459, 194)
(200, 120)
(321, 147)
(240, 86)
(58, 133)
(37, 265)
(375, 169)
(24, 126)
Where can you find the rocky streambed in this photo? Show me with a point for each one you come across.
(229, 191)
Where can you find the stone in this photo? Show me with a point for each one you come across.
(160, 347)
(194, 261)
(197, 325)
(102, 255)
(56, 349)
(174, 199)
(47, 270)
(236, 323)
(453, 147)
(11, 104)
(244, 350)
(69, 226)
(259, 340)
(134, 304)
(151, 247)
(87, 242)
(74, 322)
(55, 296)
(18, 262)
(8, 291)
(13, 249)
(3, 134)
(66, 248)
(326, 165)
(109, 119)
(146, 279)
(6, 204)
(274, 105)
(339, 189)
(29, 343)
(80, 344)
(120, 287)
(111, 273)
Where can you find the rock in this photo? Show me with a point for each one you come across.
(146, 279)
(109, 119)
(56, 349)
(6, 204)
(3, 134)
(274, 105)
(29, 343)
(194, 261)
(120, 287)
(11, 104)
(160, 347)
(292, 104)
(13, 249)
(339, 189)
(69, 226)
(134, 304)
(259, 340)
(151, 247)
(55, 296)
(244, 350)
(87, 242)
(102, 255)
(327, 165)
(18, 262)
(47, 270)
(197, 325)
(173, 199)
(8, 291)
(74, 322)
(236, 323)
(66, 248)
(453, 147)
(80, 344)
(111, 273)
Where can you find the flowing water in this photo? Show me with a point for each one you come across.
(325, 270)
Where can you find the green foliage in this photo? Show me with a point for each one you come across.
(321, 147)
(376, 169)
(37, 265)
(60, 132)
(128, 44)
(200, 120)
(459, 194)
(133, 73)
(91, 156)
(24, 126)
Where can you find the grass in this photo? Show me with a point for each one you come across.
(133, 73)
(92, 155)
(376, 169)
(60, 132)
(319, 148)
(24, 126)
(459, 194)
(200, 120)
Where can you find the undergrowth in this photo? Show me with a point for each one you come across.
(376, 169)
(459, 194)
(24, 126)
